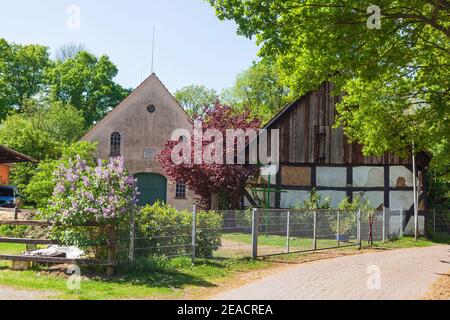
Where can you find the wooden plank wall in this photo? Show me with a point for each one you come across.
(307, 134)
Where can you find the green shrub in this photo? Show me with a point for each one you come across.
(13, 231)
(209, 233)
(163, 230)
(40, 188)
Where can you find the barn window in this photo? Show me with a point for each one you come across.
(151, 108)
(180, 191)
(115, 144)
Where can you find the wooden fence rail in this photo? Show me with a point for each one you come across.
(29, 241)
(110, 263)
(41, 223)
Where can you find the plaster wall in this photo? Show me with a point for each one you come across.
(331, 176)
(368, 177)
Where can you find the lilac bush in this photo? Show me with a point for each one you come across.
(105, 193)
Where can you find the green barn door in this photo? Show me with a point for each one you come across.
(153, 187)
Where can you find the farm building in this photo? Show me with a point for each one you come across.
(314, 155)
(138, 129)
(7, 158)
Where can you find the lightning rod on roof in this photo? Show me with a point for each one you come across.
(153, 48)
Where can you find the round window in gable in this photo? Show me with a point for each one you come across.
(151, 108)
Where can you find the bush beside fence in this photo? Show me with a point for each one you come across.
(161, 230)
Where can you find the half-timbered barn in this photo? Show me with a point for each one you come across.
(316, 156)
(138, 129)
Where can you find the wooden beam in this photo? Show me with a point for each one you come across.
(278, 184)
(250, 199)
(387, 198)
(28, 241)
(40, 223)
(313, 177)
(53, 260)
(35, 223)
(350, 183)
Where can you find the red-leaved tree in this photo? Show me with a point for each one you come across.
(226, 180)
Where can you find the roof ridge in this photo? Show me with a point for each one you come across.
(150, 77)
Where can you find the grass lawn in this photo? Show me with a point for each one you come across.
(160, 280)
(406, 242)
(165, 279)
(160, 283)
(7, 248)
(281, 241)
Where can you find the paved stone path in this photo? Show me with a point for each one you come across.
(404, 274)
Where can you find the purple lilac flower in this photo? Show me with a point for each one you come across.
(60, 188)
(86, 181)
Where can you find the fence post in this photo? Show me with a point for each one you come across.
(401, 223)
(315, 231)
(255, 234)
(288, 232)
(358, 228)
(339, 228)
(434, 223)
(132, 237)
(194, 232)
(111, 250)
(384, 224)
(16, 212)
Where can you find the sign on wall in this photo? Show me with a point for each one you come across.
(150, 153)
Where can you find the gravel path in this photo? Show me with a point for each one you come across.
(405, 274)
(15, 294)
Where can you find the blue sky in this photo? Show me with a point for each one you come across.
(192, 45)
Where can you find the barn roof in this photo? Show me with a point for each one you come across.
(281, 113)
(350, 152)
(8, 155)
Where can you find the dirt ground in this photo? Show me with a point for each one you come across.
(279, 264)
(9, 215)
(441, 289)
(17, 294)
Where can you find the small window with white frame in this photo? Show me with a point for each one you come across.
(180, 190)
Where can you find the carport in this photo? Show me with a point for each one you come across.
(10, 156)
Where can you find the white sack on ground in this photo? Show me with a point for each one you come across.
(70, 252)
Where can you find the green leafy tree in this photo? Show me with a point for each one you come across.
(40, 188)
(396, 78)
(358, 203)
(259, 89)
(21, 132)
(41, 129)
(21, 74)
(194, 98)
(42, 132)
(439, 183)
(315, 202)
(62, 122)
(87, 83)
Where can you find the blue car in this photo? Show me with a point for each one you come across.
(9, 197)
